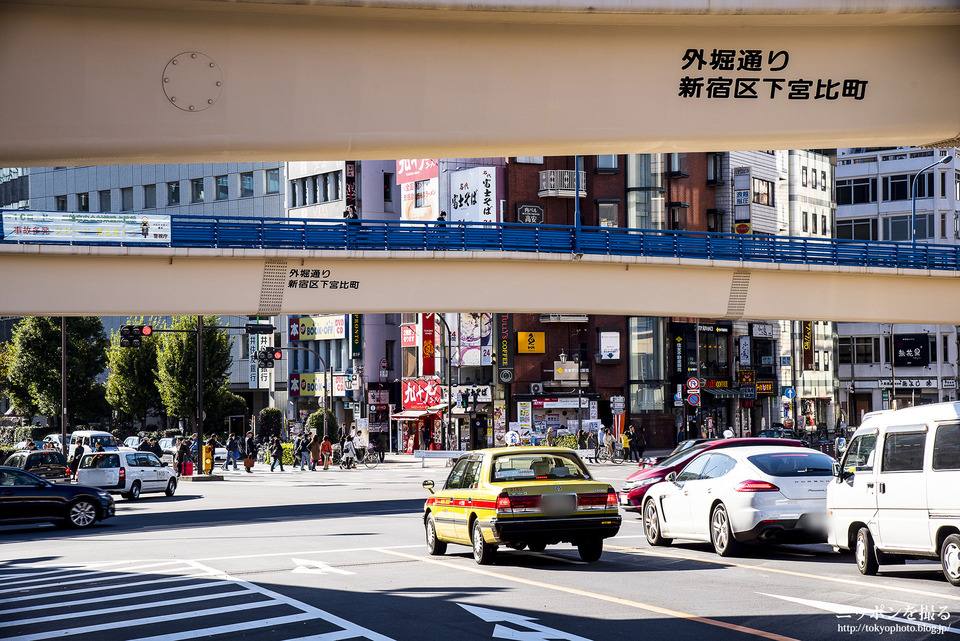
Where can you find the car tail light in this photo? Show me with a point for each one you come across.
(756, 486)
(123, 476)
(612, 501)
(592, 500)
(514, 504)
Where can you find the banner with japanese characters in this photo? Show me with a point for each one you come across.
(61, 227)
(474, 194)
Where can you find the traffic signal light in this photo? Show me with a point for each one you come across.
(132, 335)
(266, 357)
(256, 328)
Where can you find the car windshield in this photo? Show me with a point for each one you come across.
(538, 466)
(682, 457)
(99, 461)
(793, 464)
(105, 440)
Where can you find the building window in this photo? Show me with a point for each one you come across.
(389, 353)
(149, 196)
(529, 160)
(126, 199)
(223, 187)
(273, 181)
(420, 193)
(866, 349)
(83, 202)
(647, 368)
(61, 203)
(932, 347)
(607, 214)
(816, 361)
(823, 180)
(813, 179)
(173, 193)
(196, 190)
(714, 169)
(845, 350)
(858, 229)
(387, 187)
(804, 223)
(763, 192)
(678, 165)
(607, 163)
(105, 200)
(823, 224)
(896, 187)
(925, 185)
(329, 183)
(898, 227)
(246, 184)
(856, 191)
(803, 176)
(945, 344)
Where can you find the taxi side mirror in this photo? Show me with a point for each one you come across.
(837, 471)
(428, 485)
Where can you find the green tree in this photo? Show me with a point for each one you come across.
(34, 365)
(177, 365)
(227, 404)
(18, 395)
(132, 383)
(271, 421)
(315, 423)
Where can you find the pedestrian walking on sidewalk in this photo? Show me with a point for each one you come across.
(276, 453)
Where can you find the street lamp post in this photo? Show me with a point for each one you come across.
(913, 193)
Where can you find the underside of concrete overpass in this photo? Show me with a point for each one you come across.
(112, 82)
(109, 281)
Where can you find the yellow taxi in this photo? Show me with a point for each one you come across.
(520, 497)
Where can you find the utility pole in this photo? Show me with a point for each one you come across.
(64, 446)
(200, 390)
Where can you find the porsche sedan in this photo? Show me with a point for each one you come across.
(728, 497)
(520, 497)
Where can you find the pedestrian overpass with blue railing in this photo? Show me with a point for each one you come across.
(233, 265)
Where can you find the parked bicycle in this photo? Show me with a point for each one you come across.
(616, 458)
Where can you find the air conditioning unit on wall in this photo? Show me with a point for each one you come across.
(536, 388)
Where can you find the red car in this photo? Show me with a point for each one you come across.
(636, 485)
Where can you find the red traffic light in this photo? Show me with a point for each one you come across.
(276, 355)
(146, 330)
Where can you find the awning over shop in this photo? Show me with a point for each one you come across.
(724, 393)
(409, 415)
(436, 409)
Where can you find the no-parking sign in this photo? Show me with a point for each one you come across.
(694, 400)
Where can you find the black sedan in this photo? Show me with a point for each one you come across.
(26, 498)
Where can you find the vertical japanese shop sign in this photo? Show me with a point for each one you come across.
(807, 343)
(525, 415)
(474, 194)
(429, 351)
(350, 185)
(356, 336)
(741, 200)
(505, 348)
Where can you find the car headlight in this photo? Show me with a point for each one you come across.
(632, 485)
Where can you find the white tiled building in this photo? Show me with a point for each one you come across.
(875, 201)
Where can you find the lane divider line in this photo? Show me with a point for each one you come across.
(595, 595)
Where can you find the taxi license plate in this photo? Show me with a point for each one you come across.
(558, 503)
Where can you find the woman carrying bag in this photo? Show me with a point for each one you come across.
(249, 452)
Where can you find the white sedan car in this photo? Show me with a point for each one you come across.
(760, 494)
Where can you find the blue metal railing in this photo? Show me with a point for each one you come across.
(393, 235)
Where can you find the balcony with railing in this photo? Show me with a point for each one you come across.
(561, 183)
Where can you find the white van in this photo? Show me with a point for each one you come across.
(89, 439)
(896, 492)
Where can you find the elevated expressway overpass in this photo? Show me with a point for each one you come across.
(284, 266)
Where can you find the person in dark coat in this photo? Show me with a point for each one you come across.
(249, 451)
(183, 455)
(75, 462)
(276, 453)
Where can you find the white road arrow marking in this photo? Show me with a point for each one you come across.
(839, 608)
(316, 567)
(536, 632)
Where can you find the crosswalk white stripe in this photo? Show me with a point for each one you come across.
(125, 608)
(59, 605)
(104, 588)
(135, 622)
(83, 576)
(233, 627)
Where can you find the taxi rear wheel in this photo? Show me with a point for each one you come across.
(483, 552)
(590, 549)
(134, 492)
(435, 546)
